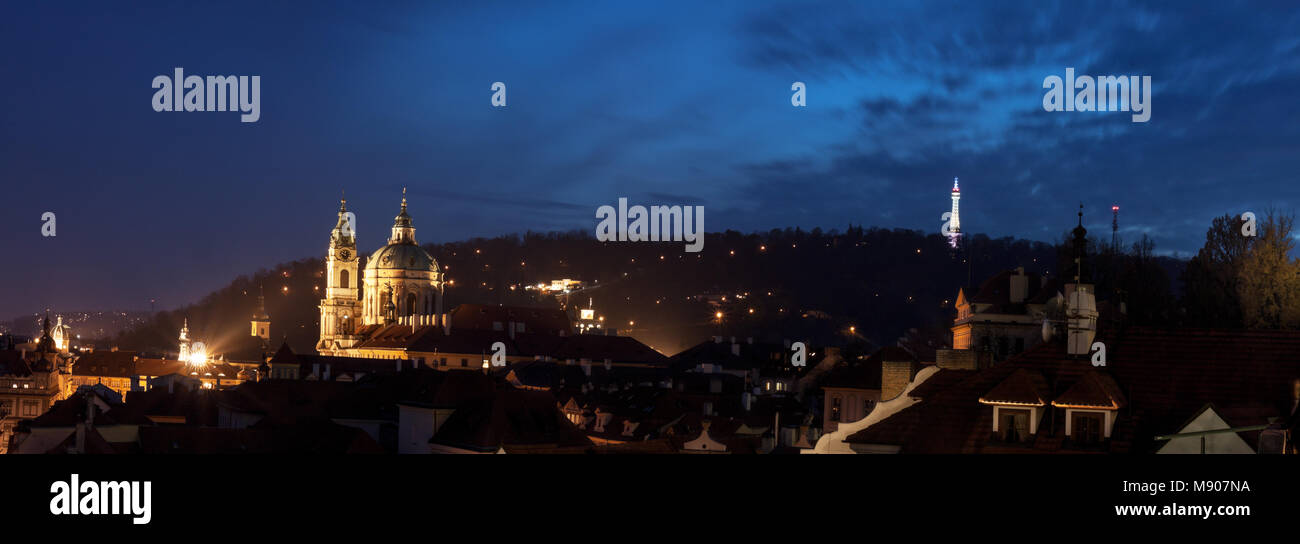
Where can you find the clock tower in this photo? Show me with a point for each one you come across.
(341, 307)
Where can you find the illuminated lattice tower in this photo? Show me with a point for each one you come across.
(954, 222)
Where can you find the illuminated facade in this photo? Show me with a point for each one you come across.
(587, 321)
(186, 344)
(261, 322)
(401, 283)
(62, 335)
(30, 382)
(341, 307)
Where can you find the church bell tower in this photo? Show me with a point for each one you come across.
(261, 322)
(341, 307)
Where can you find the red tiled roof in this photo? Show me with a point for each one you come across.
(1165, 376)
(487, 317)
(12, 364)
(1023, 387)
(618, 349)
(1094, 390)
(315, 437)
(509, 417)
(116, 364)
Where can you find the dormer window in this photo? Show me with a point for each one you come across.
(1018, 403)
(1091, 405)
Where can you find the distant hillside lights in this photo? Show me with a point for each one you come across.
(221, 93)
(1103, 93)
(658, 223)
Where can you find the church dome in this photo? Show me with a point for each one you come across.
(402, 257)
(402, 251)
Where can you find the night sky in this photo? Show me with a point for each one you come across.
(659, 102)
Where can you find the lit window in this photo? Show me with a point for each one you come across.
(835, 409)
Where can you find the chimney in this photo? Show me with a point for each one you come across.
(894, 377)
(1019, 286)
(956, 359)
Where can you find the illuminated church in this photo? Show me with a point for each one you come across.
(402, 284)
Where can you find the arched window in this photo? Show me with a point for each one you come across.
(343, 278)
(410, 304)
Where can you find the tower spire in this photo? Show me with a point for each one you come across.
(403, 231)
(954, 218)
(1080, 247)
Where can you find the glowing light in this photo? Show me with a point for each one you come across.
(718, 315)
(198, 354)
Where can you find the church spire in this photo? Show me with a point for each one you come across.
(403, 231)
(344, 233)
(1080, 248)
(259, 314)
(45, 344)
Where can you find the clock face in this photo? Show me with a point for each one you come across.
(345, 254)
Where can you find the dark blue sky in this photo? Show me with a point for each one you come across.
(663, 103)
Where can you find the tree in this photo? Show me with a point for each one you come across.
(1144, 286)
(1268, 285)
(1210, 293)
